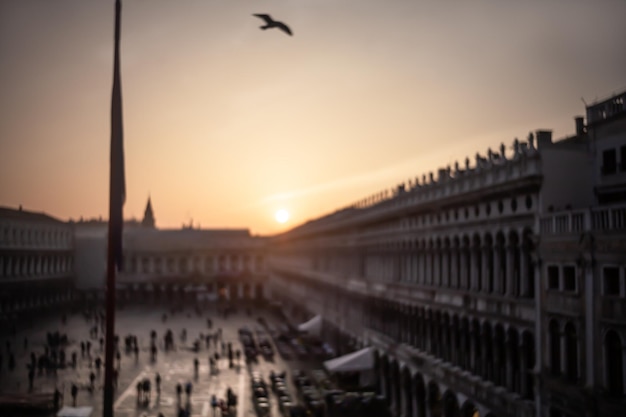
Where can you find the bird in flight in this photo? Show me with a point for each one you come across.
(271, 23)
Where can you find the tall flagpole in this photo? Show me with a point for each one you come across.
(117, 192)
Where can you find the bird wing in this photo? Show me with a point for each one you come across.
(284, 28)
(268, 19)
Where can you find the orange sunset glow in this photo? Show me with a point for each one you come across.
(226, 125)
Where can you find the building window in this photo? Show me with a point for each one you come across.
(569, 278)
(553, 277)
(609, 162)
(611, 280)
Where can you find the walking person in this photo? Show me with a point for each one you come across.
(157, 381)
(179, 391)
(92, 380)
(74, 392)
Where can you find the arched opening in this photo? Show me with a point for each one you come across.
(516, 266)
(396, 391)
(420, 395)
(527, 250)
(378, 371)
(467, 263)
(571, 352)
(456, 279)
(469, 410)
(437, 331)
(499, 356)
(501, 271)
(465, 352)
(478, 351)
(478, 262)
(555, 347)
(528, 353)
(488, 354)
(386, 380)
(446, 338)
(450, 405)
(455, 333)
(447, 263)
(407, 383)
(434, 399)
(614, 365)
(513, 345)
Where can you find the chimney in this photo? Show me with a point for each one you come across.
(580, 125)
(544, 138)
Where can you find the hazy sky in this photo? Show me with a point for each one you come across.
(225, 123)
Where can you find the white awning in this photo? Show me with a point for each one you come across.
(361, 360)
(75, 412)
(313, 326)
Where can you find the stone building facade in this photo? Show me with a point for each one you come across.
(186, 264)
(449, 278)
(36, 262)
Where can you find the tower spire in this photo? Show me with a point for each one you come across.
(148, 216)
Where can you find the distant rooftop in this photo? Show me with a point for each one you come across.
(21, 214)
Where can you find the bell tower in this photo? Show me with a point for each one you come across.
(148, 216)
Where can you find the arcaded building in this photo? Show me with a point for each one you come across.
(189, 264)
(36, 262)
(451, 278)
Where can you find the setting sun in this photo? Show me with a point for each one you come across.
(281, 216)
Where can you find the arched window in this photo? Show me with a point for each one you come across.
(555, 348)
(613, 364)
(571, 352)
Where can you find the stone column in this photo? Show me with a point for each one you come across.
(476, 264)
(445, 279)
(429, 267)
(497, 273)
(523, 377)
(436, 277)
(463, 268)
(510, 287)
(454, 267)
(485, 268)
(523, 272)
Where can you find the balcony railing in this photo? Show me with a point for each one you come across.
(575, 222)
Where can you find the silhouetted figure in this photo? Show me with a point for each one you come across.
(57, 399)
(73, 359)
(74, 393)
(188, 388)
(179, 391)
(92, 380)
(139, 392)
(196, 364)
(157, 381)
(271, 23)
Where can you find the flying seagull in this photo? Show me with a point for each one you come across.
(271, 23)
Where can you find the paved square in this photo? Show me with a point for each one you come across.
(174, 367)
